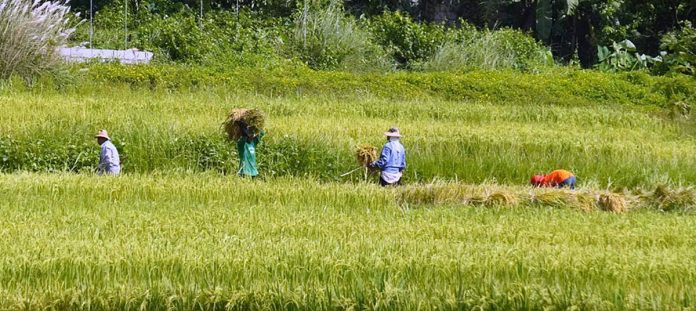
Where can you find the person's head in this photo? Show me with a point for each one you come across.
(537, 180)
(393, 134)
(102, 137)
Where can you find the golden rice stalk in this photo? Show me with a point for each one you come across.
(552, 198)
(366, 154)
(612, 202)
(254, 119)
(417, 195)
(586, 201)
(667, 199)
(502, 198)
(662, 192)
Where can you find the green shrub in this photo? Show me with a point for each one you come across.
(557, 86)
(246, 40)
(681, 48)
(329, 39)
(222, 39)
(490, 50)
(177, 37)
(406, 41)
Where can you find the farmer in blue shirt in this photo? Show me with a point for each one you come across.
(109, 161)
(392, 160)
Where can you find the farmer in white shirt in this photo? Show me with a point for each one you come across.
(109, 162)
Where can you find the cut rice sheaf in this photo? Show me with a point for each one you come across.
(253, 119)
(366, 154)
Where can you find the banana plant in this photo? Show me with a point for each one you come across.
(550, 14)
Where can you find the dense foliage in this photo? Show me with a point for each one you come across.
(360, 36)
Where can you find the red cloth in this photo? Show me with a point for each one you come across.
(537, 180)
(556, 177)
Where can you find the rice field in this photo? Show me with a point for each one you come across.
(205, 241)
(180, 231)
(605, 145)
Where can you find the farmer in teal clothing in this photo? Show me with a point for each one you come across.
(246, 147)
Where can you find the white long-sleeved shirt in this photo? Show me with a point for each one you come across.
(109, 161)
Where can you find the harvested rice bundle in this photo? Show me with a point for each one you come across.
(366, 154)
(667, 199)
(502, 199)
(586, 201)
(612, 202)
(554, 198)
(252, 119)
(417, 195)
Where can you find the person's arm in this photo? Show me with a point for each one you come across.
(258, 138)
(403, 162)
(103, 157)
(108, 157)
(383, 158)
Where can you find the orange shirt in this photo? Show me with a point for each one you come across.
(556, 177)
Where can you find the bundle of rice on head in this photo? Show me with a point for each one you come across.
(240, 119)
(366, 154)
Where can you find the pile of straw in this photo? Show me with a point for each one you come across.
(612, 202)
(500, 196)
(366, 154)
(667, 199)
(252, 119)
(502, 199)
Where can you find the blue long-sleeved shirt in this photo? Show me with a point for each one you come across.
(392, 159)
(109, 161)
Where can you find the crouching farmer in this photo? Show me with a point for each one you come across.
(109, 161)
(392, 160)
(557, 178)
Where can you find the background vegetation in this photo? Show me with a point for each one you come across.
(368, 36)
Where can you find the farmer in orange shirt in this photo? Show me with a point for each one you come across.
(557, 178)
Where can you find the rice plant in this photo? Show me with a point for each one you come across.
(468, 141)
(201, 240)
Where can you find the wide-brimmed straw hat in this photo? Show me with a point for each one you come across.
(393, 132)
(102, 134)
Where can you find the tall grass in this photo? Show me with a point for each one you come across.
(491, 50)
(327, 38)
(30, 32)
(205, 241)
(469, 141)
